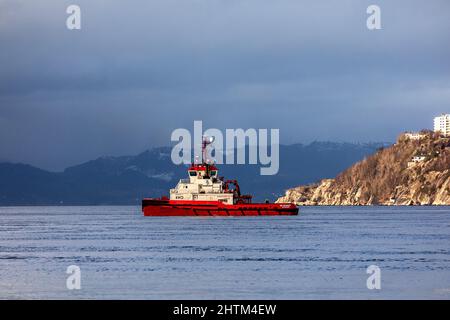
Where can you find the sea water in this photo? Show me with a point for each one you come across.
(323, 253)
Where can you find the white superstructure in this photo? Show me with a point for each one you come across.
(202, 185)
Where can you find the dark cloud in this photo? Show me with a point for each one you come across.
(137, 70)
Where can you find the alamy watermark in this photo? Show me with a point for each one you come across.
(73, 21)
(373, 22)
(73, 281)
(374, 280)
(256, 140)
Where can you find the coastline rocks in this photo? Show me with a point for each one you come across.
(389, 177)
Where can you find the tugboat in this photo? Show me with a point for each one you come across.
(204, 193)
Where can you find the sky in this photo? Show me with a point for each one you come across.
(137, 70)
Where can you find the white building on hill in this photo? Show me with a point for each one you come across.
(442, 124)
(415, 160)
(414, 135)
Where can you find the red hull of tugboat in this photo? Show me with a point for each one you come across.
(163, 207)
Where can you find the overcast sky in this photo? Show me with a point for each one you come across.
(139, 69)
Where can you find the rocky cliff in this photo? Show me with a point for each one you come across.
(413, 171)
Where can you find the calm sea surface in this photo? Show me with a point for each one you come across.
(321, 254)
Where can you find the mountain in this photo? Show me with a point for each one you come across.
(126, 179)
(413, 171)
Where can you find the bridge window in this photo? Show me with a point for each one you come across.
(192, 173)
